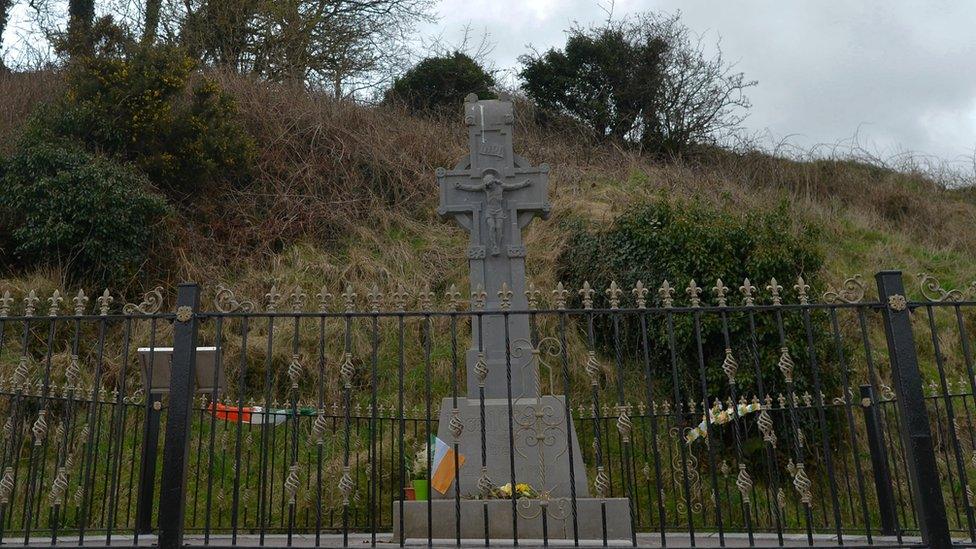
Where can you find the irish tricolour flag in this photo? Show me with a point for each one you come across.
(442, 465)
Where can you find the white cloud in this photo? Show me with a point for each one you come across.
(899, 74)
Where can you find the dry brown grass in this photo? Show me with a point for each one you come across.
(346, 193)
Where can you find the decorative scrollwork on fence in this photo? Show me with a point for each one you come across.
(730, 366)
(292, 483)
(744, 483)
(226, 302)
(150, 304)
(346, 485)
(786, 364)
(766, 426)
(933, 291)
(852, 291)
(801, 482)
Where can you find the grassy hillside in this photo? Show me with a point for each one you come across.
(346, 193)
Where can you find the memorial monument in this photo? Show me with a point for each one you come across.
(494, 194)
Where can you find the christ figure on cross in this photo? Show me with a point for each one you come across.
(494, 189)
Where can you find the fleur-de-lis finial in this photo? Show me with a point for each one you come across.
(324, 298)
(559, 296)
(505, 297)
(426, 298)
(802, 288)
(272, 297)
(774, 289)
(5, 303)
(373, 297)
(349, 299)
(30, 303)
(666, 292)
(694, 293)
(80, 300)
(613, 295)
(532, 295)
(640, 295)
(400, 297)
(55, 303)
(586, 292)
(104, 302)
(454, 297)
(721, 291)
(479, 296)
(746, 290)
(298, 298)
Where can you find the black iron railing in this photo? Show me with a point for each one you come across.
(666, 421)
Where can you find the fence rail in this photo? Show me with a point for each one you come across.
(731, 415)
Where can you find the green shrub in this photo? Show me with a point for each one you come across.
(137, 104)
(679, 242)
(440, 84)
(65, 207)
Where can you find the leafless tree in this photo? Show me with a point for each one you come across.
(700, 97)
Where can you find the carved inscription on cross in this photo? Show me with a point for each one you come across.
(494, 194)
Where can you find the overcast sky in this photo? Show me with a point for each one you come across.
(900, 75)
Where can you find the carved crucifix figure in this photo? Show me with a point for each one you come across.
(494, 189)
(494, 194)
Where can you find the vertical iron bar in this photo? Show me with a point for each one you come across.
(147, 474)
(879, 461)
(172, 500)
(915, 431)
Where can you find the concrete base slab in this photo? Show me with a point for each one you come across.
(558, 512)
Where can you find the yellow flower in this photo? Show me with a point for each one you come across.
(506, 489)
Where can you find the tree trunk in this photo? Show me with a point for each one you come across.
(81, 13)
(5, 6)
(152, 21)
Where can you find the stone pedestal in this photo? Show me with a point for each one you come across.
(541, 434)
(590, 513)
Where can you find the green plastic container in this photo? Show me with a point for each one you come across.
(420, 490)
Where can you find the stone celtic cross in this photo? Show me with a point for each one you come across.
(495, 194)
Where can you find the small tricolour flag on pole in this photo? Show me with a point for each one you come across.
(442, 465)
(256, 415)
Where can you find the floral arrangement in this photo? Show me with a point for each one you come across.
(419, 469)
(720, 417)
(522, 490)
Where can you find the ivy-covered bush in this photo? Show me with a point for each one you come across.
(440, 84)
(144, 105)
(65, 207)
(680, 241)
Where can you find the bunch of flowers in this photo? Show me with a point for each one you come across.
(419, 468)
(522, 490)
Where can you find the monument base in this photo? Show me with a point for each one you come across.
(559, 519)
(538, 427)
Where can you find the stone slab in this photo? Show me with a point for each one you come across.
(589, 513)
(550, 474)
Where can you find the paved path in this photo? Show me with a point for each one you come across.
(675, 540)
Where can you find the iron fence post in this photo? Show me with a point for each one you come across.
(879, 461)
(915, 429)
(176, 447)
(147, 475)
